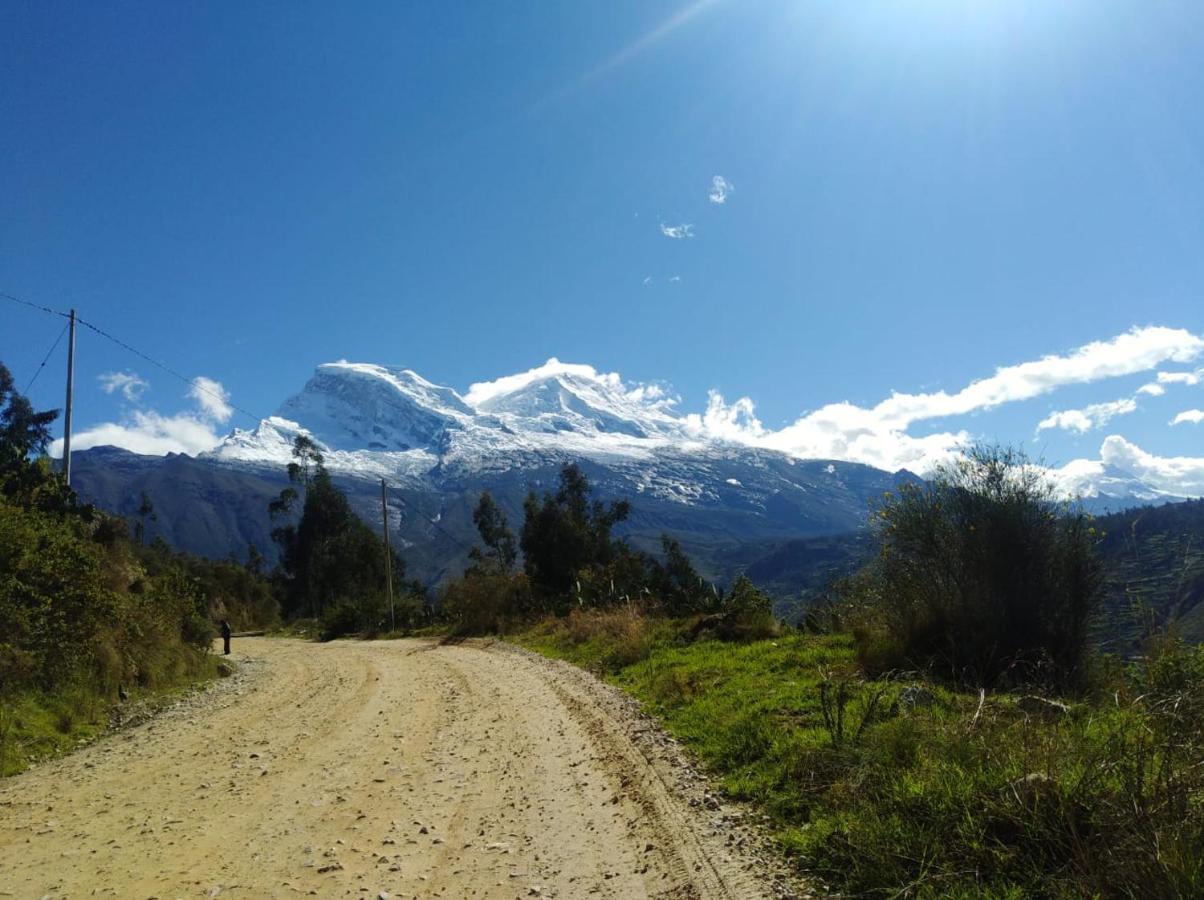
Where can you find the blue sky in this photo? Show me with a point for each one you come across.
(921, 191)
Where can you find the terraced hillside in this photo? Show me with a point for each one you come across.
(1155, 561)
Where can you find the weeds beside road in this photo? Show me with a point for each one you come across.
(905, 787)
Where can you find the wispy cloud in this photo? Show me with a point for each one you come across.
(879, 436)
(128, 383)
(213, 399)
(673, 279)
(1152, 389)
(1189, 416)
(647, 280)
(1188, 378)
(677, 232)
(1089, 417)
(150, 432)
(720, 189)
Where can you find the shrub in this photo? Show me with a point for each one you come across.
(982, 574)
(482, 603)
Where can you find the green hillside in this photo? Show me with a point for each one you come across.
(1155, 564)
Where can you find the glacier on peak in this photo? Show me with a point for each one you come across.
(369, 417)
(388, 421)
(359, 406)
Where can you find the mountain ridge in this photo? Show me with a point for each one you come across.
(438, 449)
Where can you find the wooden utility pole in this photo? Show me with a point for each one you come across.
(384, 518)
(70, 395)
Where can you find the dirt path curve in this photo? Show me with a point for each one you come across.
(356, 768)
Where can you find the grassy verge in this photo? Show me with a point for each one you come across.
(39, 725)
(897, 787)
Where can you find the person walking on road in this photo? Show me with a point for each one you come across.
(226, 636)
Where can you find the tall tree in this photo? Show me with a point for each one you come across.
(566, 533)
(146, 512)
(677, 584)
(500, 551)
(329, 556)
(22, 430)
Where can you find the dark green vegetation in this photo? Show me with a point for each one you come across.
(332, 565)
(800, 574)
(1154, 560)
(86, 614)
(959, 775)
(904, 787)
(213, 508)
(572, 561)
(981, 576)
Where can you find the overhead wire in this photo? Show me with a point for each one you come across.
(46, 358)
(455, 540)
(193, 383)
(47, 309)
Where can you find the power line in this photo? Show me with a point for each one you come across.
(455, 540)
(191, 382)
(46, 359)
(46, 309)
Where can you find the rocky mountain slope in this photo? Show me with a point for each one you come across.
(437, 449)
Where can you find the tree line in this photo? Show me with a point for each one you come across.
(86, 613)
(570, 559)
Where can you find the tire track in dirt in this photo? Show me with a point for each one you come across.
(354, 768)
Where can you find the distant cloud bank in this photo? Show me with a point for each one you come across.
(878, 435)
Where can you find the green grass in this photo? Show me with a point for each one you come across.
(37, 725)
(931, 800)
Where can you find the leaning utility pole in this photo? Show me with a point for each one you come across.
(384, 518)
(70, 393)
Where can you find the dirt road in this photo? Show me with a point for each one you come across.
(356, 768)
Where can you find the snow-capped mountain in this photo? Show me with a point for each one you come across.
(371, 419)
(1112, 489)
(438, 449)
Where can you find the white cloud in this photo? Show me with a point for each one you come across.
(677, 232)
(1180, 475)
(1188, 378)
(878, 435)
(483, 391)
(1192, 416)
(1154, 390)
(213, 399)
(1094, 416)
(149, 433)
(1169, 476)
(674, 279)
(720, 189)
(152, 433)
(647, 280)
(128, 383)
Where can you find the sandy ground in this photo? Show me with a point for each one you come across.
(370, 769)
